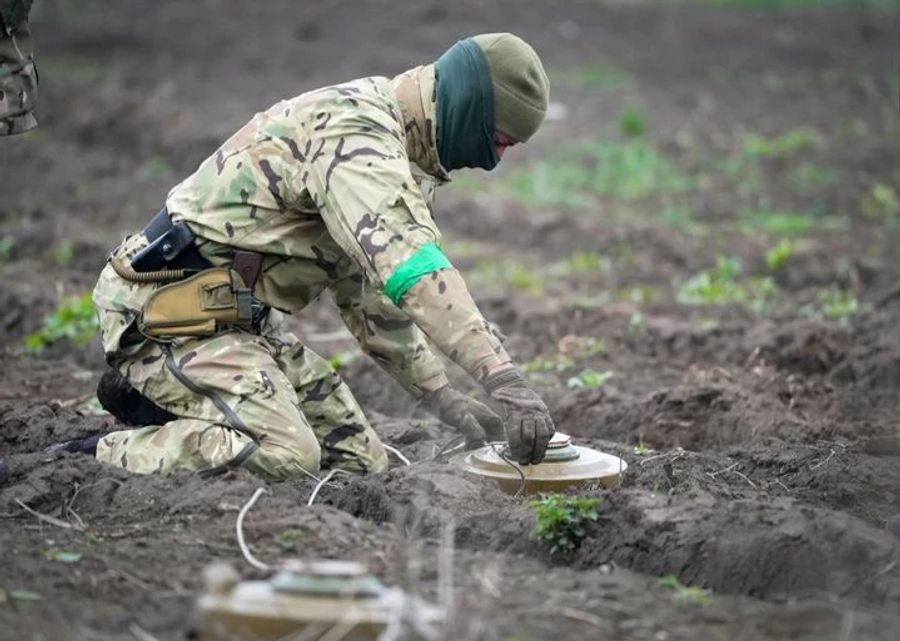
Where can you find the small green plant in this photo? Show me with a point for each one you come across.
(515, 274)
(542, 364)
(632, 121)
(809, 177)
(525, 280)
(714, 286)
(74, 320)
(586, 262)
(6, 246)
(589, 379)
(680, 218)
(17, 596)
(780, 223)
(633, 170)
(881, 201)
(779, 254)
(583, 172)
(839, 304)
(291, 540)
(155, 167)
(64, 252)
(342, 359)
(721, 286)
(783, 145)
(562, 521)
(688, 595)
(63, 556)
(635, 323)
(641, 448)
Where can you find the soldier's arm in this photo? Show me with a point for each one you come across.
(363, 187)
(389, 336)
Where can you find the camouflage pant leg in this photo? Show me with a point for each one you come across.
(347, 439)
(234, 407)
(18, 81)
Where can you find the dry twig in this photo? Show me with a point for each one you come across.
(579, 615)
(52, 520)
(140, 633)
(823, 461)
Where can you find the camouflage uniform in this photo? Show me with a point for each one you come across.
(18, 77)
(322, 186)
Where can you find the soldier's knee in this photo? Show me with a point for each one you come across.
(282, 463)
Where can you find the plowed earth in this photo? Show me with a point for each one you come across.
(764, 449)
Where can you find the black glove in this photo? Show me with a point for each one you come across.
(473, 419)
(528, 424)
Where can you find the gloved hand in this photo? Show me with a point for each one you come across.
(528, 424)
(473, 419)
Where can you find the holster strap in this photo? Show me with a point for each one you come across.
(247, 264)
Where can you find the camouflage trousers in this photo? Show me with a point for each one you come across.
(18, 80)
(263, 402)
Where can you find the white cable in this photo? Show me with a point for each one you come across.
(239, 527)
(397, 453)
(315, 492)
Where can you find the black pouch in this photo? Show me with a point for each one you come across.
(171, 247)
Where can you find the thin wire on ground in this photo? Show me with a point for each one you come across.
(502, 454)
(325, 479)
(397, 453)
(239, 528)
(451, 446)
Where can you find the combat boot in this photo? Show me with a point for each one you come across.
(119, 398)
(86, 445)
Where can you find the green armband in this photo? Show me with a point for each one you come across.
(428, 258)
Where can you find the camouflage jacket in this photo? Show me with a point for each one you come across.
(18, 76)
(333, 188)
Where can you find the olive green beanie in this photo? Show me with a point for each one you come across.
(521, 88)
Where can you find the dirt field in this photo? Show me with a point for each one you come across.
(754, 398)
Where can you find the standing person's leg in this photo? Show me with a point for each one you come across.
(234, 406)
(347, 439)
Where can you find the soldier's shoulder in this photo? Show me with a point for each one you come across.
(367, 104)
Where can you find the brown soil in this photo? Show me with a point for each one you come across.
(773, 447)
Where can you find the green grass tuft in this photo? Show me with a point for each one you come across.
(683, 594)
(74, 320)
(589, 379)
(720, 285)
(632, 122)
(779, 254)
(783, 145)
(562, 521)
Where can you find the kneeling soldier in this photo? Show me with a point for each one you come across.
(328, 190)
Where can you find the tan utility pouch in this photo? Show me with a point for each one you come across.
(197, 306)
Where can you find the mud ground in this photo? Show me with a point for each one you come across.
(764, 445)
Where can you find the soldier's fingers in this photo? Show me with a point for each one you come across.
(472, 430)
(492, 425)
(514, 437)
(542, 438)
(528, 432)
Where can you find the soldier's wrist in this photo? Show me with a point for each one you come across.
(505, 377)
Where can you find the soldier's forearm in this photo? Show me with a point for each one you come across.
(442, 307)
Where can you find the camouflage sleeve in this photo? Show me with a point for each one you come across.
(18, 79)
(389, 336)
(361, 182)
